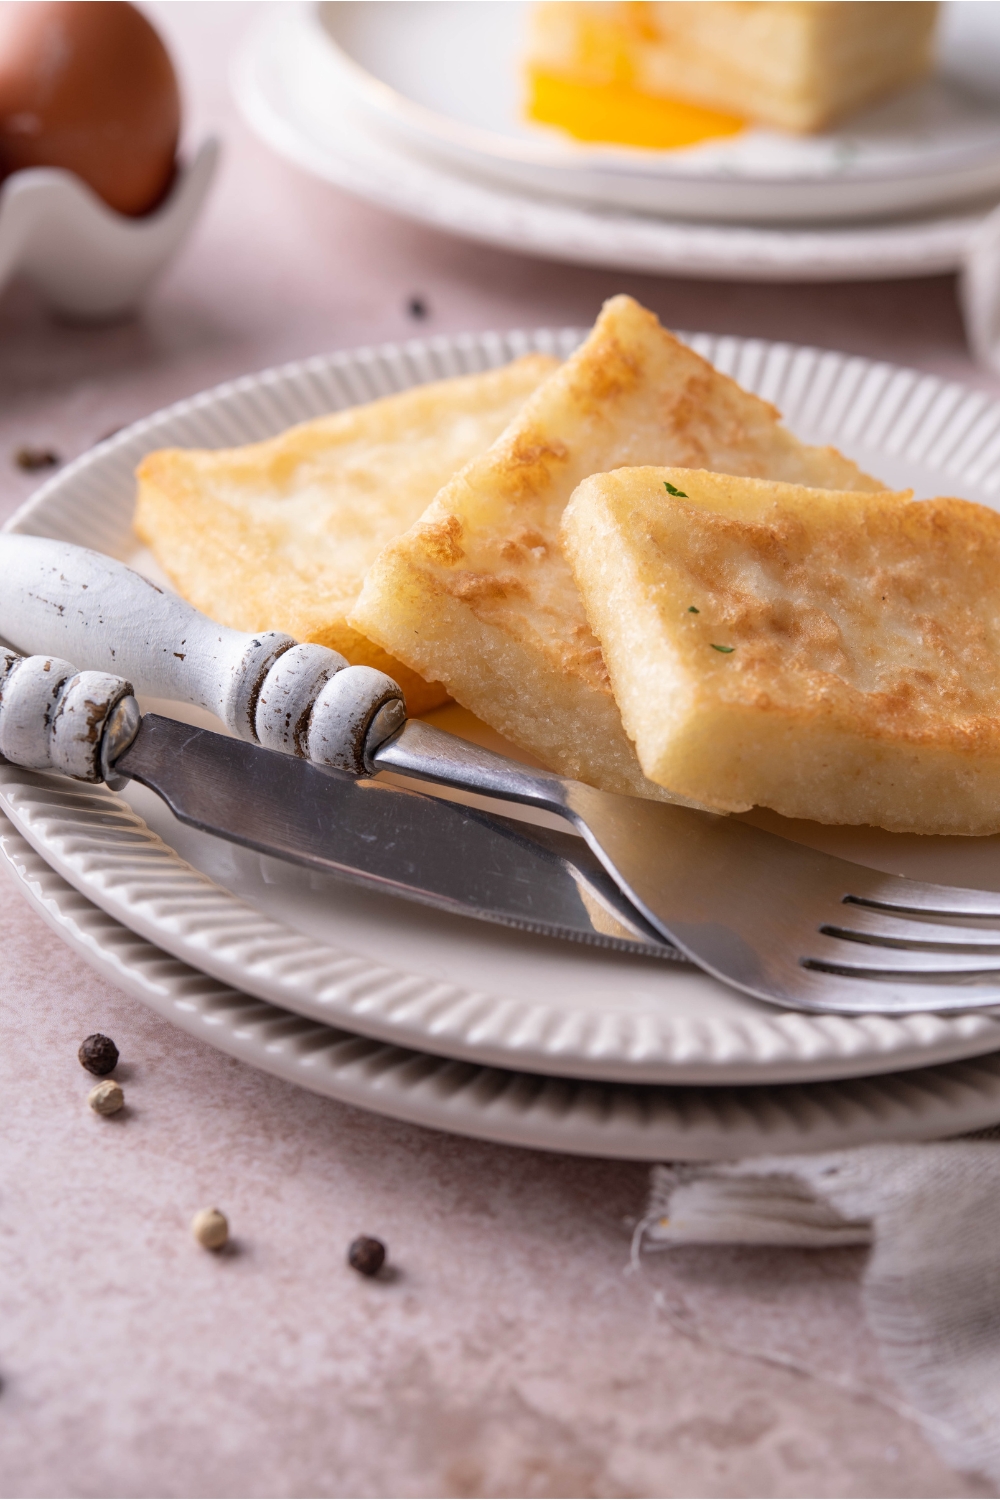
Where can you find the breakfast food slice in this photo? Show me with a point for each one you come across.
(479, 594)
(278, 535)
(797, 64)
(831, 656)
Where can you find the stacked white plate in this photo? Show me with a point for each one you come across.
(418, 108)
(457, 1024)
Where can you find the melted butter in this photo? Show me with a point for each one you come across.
(616, 113)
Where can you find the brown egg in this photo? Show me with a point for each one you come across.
(89, 86)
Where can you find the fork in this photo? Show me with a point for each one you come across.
(779, 921)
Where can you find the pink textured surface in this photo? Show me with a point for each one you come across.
(510, 1353)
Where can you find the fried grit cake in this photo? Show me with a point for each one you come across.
(834, 656)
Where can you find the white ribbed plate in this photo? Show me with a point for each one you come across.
(520, 1109)
(417, 978)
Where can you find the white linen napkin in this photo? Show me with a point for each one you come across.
(931, 1289)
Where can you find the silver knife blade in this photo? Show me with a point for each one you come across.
(401, 842)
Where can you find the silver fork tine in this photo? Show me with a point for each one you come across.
(892, 895)
(862, 992)
(865, 925)
(856, 989)
(873, 962)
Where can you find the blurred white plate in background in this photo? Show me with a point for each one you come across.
(277, 79)
(446, 77)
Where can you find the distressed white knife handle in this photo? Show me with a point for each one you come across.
(76, 604)
(54, 718)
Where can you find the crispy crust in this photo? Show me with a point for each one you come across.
(479, 594)
(278, 535)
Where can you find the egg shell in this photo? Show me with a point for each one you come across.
(90, 87)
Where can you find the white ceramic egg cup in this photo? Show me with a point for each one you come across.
(88, 261)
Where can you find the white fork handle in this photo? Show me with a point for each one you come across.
(72, 603)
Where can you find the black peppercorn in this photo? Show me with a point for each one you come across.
(366, 1255)
(417, 308)
(98, 1054)
(32, 459)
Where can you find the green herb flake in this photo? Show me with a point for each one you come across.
(725, 649)
(692, 610)
(671, 491)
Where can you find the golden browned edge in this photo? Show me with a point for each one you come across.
(169, 518)
(462, 596)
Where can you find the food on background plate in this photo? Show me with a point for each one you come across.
(278, 535)
(830, 656)
(88, 86)
(479, 594)
(669, 75)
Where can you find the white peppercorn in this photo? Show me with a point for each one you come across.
(106, 1098)
(210, 1228)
